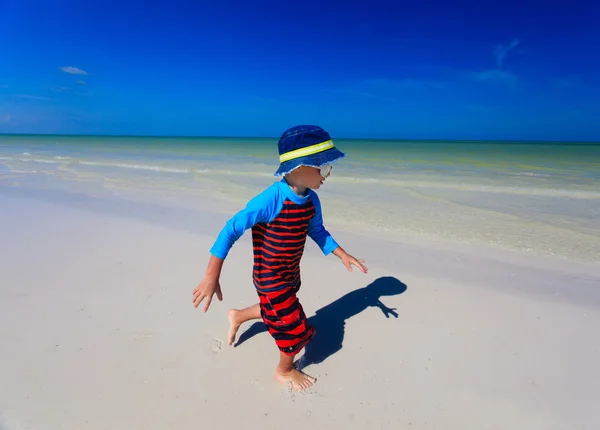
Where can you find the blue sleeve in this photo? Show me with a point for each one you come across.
(262, 208)
(317, 231)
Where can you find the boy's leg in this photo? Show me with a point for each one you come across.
(237, 317)
(285, 372)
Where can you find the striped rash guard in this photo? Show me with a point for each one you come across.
(280, 221)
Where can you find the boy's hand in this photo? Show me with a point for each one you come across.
(349, 260)
(205, 289)
(210, 284)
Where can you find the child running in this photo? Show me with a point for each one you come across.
(281, 217)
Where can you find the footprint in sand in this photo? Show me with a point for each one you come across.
(143, 336)
(215, 345)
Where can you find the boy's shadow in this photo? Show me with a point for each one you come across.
(330, 321)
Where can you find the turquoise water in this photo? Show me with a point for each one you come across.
(534, 197)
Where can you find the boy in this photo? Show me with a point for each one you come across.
(281, 217)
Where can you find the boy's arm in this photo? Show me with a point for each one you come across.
(349, 260)
(318, 233)
(260, 209)
(210, 284)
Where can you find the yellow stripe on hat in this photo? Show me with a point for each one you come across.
(309, 150)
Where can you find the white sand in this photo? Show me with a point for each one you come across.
(97, 331)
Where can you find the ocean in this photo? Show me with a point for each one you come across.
(539, 198)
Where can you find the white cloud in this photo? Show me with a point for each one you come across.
(502, 50)
(29, 96)
(73, 70)
(80, 82)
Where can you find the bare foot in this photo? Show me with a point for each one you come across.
(234, 325)
(299, 380)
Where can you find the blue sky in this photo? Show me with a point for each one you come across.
(414, 70)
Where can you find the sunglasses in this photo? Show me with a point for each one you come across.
(325, 170)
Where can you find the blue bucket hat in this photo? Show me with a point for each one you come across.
(305, 145)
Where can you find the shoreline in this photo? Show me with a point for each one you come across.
(219, 207)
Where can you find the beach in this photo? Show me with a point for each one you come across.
(480, 309)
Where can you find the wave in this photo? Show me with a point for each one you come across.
(549, 192)
(369, 178)
(12, 171)
(135, 166)
(39, 160)
(530, 174)
(72, 161)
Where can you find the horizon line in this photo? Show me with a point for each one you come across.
(165, 136)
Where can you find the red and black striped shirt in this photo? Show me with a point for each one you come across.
(278, 246)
